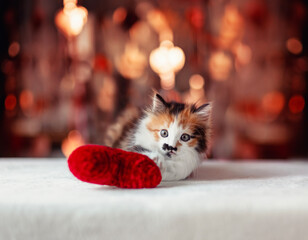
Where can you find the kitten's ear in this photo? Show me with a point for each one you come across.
(159, 104)
(204, 111)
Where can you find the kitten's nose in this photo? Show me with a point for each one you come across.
(169, 148)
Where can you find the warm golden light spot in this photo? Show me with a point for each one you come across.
(294, 46)
(176, 58)
(65, 2)
(70, 5)
(119, 15)
(196, 82)
(26, 99)
(296, 104)
(71, 19)
(166, 34)
(167, 58)
(73, 141)
(243, 53)
(132, 62)
(167, 80)
(273, 102)
(231, 26)
(157, 20)
(220, 65)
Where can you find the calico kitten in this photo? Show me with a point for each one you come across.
(174, 135)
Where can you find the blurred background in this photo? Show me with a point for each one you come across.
(68, 68)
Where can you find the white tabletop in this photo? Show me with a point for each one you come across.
(40, 199)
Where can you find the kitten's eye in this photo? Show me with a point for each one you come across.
(164, 133)
(185, 137)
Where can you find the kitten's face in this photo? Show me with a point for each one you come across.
(178, 128)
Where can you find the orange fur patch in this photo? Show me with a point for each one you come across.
(178, 144)
(188, 119)
(193, 142)
(159, 122)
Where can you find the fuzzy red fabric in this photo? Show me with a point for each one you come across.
(114, 167)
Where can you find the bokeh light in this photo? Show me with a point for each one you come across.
(296, 104)
(26, 100)
(195, 16)
(10, 102)
(243, 53)
(167, 80)
(14, 49)
(71, 19)
(294, 46)
(273, 102)
(167, 58)
(220, 66)
(132, 62)
(157, 20)
(119, 15)
(74, 140)
(196, 81)
(67, 2)
(231, 26)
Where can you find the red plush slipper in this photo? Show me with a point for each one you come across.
(114, 167)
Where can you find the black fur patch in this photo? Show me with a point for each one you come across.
(195, 109)
(139, 149)
(175, 108)
(200, 134)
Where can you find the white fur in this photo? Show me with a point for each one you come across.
(176, 167)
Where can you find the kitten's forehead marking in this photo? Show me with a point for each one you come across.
(158, 122)
(187, 119)
(190, 121)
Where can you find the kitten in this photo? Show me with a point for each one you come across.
(174, 135)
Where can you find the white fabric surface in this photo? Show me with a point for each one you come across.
(40, 199)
